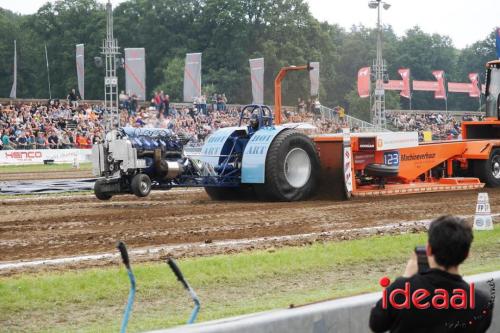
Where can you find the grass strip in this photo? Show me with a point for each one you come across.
(92, 300)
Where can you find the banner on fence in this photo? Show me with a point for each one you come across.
(80, 69)
(135, 72)
(257, 77)
(37, 156)
(192, 77)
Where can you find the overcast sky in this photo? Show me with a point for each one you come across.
(463, 20)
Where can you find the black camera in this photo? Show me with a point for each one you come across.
(423, 262)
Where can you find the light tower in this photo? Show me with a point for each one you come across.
(380, 71)
(110, 51)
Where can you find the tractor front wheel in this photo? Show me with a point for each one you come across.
(141, 185)
(99, 192)
(489, 170)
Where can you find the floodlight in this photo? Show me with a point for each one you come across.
(386, 6)
(373, 4)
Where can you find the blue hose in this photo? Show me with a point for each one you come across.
(196, 309)
(130, 301)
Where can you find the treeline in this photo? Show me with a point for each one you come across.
(228, 32)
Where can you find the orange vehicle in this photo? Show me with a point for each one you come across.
(388, 163)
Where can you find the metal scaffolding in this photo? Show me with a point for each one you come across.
(110, 50)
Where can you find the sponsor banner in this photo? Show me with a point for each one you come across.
(405, 75)
(440, 92)
(386, 140)
(347, 161)
(80, 69)
(394, 85)
(192, 77)
(37, 156)
(135, 72)
(459, 87)
(257, 77)
(314, 77)
(364, 82)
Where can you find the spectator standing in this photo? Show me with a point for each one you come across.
(166, 106)
(73, 98)
(448, 245)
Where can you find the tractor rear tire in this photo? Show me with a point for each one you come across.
(141, 185)
(292, 168)
(488, 171)
(99, 193)
(242, 192)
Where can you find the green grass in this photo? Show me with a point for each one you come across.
(30, 168)
(92, 300)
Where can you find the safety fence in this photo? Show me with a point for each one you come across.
(346, 315)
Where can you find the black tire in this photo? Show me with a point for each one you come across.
(98, 191)
(488, 171)
(230, 193)
(381, 170)
(141, 185)
(277, 186)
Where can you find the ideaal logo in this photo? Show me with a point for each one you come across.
(424, 299)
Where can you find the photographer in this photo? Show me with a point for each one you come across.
(449, 241)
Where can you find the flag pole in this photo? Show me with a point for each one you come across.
(48, 71)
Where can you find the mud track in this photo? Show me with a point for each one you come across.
(66, 174)
(60, 226)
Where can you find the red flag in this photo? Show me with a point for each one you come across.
(440, 92)
(364, 82)
(405, 75)
(474, 79)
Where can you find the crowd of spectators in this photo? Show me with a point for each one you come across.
(73, 124)
(49, 126)
(443, 126)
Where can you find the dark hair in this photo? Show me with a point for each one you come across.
(450, 238)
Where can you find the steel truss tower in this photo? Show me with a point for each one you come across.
(110, 50)
(379, 68)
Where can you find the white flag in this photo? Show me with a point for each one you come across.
(13, 91)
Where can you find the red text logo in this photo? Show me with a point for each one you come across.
(423, 299)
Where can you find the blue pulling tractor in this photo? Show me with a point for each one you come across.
(273, 162)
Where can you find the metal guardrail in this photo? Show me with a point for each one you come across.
(352, 122)
(450, 112)
(347, 315)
